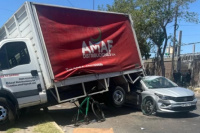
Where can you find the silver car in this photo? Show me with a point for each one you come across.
(159, 94)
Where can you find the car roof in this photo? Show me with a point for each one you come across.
(151, 77)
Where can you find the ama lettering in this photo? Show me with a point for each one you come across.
(102, 47)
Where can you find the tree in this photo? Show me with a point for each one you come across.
(158, 14)
(151, 18)
(131, 7)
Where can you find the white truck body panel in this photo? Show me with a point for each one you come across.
(24, 26)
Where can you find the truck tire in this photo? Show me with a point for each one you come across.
(7, 115)
(116, 97)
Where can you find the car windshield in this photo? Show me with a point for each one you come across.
(158, 82)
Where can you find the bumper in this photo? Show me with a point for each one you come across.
(171, 106)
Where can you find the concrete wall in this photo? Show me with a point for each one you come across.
(186, 63)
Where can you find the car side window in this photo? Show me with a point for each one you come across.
(13, 54)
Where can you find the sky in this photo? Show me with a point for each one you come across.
(190, 31)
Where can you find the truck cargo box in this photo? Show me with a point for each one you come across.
(72, 44)
(81, 42)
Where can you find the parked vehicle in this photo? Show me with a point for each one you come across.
(159, 94)
(52, 54)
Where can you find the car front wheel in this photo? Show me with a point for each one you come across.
(148, 106)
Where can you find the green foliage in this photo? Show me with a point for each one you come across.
(131, 7)
(159, 13)
(151, 18)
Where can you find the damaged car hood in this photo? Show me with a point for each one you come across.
(174, 91)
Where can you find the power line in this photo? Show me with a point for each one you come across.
(189, 25)
(70, 3)
(190, 43)
(192, 35)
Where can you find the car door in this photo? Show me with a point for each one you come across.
(19, 72)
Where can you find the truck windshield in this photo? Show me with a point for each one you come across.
(155, 82)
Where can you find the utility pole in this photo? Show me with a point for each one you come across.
(174, 42)
(93, 4)
(179, 51)
(169, 50)
(193, 48)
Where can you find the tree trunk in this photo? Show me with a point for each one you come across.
(161, 64)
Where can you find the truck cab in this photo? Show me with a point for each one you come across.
(20, 74)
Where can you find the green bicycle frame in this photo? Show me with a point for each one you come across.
(80, 109)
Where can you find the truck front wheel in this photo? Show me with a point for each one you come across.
(7, 115)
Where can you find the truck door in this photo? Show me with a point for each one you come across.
(20, 73)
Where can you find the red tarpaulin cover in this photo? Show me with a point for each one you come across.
(83, 42)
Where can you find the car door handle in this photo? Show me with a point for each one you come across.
(34, 73)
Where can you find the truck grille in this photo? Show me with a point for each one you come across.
(184, 99)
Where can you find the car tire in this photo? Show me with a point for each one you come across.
(148, 106)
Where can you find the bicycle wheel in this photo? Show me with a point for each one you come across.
(96, 108)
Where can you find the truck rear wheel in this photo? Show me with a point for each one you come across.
(116, 97)
(7, 115)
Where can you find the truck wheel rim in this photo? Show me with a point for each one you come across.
(3, 113)
(118, 97)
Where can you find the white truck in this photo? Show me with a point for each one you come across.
(52, 54)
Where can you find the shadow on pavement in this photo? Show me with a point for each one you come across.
(27, 121)
(64, 117)
(178, 115)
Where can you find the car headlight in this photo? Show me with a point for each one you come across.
(163, 97)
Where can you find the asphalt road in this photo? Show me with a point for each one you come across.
(129, 120)
(122, 120)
